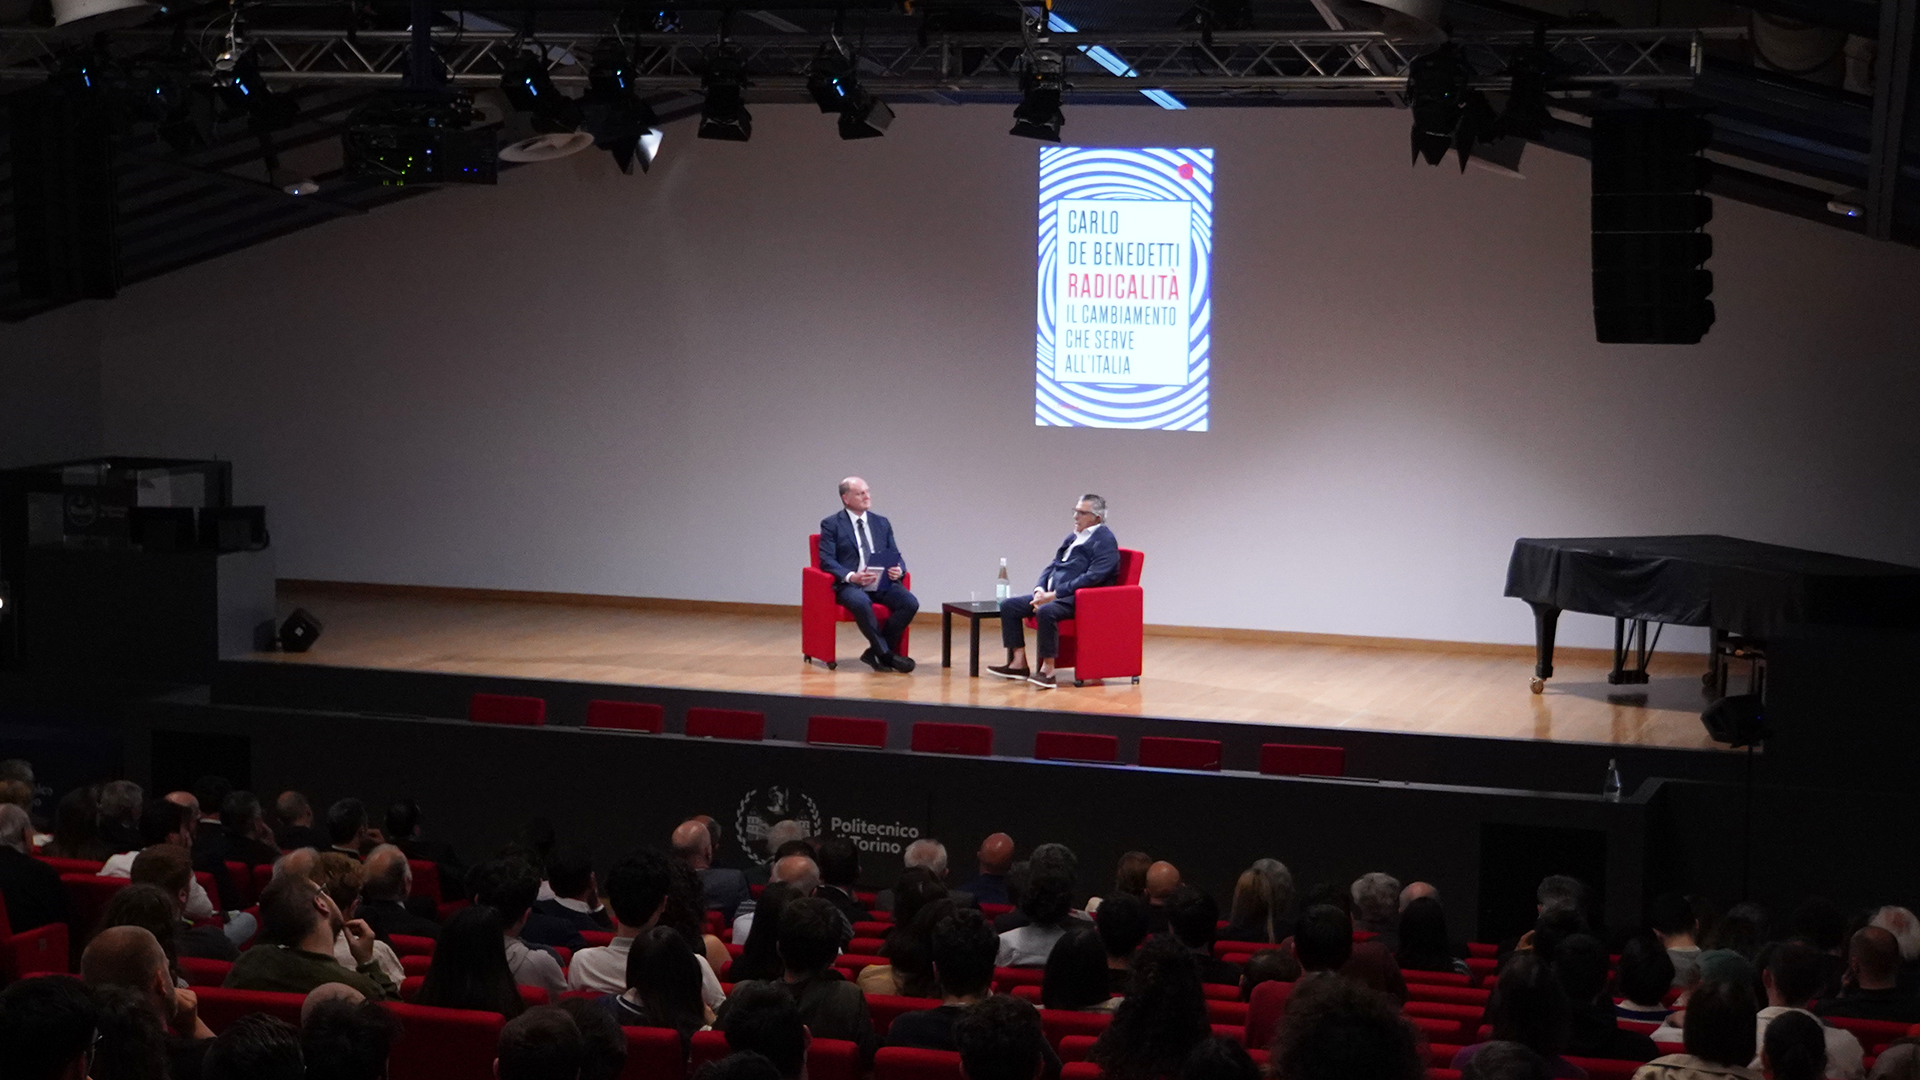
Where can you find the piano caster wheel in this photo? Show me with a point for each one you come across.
(1077, 682)
(1537, 685)
(833, 665)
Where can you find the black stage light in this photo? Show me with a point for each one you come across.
(1038, 115)
(408, 137)
(836, 89)
(724, 114)
(621, 124)
(865, 117)
(300, 631)
(1438, 86)
(1737, 720)
(528, 87)
(238, 82)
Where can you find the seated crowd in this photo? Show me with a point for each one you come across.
(666, 939)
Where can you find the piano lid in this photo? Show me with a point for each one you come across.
(1722, 581)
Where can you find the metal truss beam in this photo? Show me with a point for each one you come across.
(1232, 67)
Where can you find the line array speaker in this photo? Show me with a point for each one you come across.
(63, 194)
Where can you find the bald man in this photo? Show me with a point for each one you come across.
(796, 870)
(383, 899)
(854, 545)
(995, 857)
(722, 889)
(1870, 990)
(1415, 891)
(1163, 878)
(130, 958)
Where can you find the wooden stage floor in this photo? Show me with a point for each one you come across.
(1418, 689)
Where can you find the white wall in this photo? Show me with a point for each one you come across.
(579, 381)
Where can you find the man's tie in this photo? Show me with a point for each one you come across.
(866, 545)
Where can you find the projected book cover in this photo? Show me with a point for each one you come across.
(1124, 289)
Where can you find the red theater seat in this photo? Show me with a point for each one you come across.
(1164, 752)
(1074, 1047)
(1606, 1068)
(884, 1007)
(220, 1006)
(1073, 746)
(410, 945)
(1104, 639)
(1287, 759)
(703, 723)
(974, 739)
(507, 709)
(426, 878)
(847, 731)
(1006, 978)
(905, 1063)
(1079, 1070)
(1059, 1024)
(242, 876)
(203, 972)
(457, 1044)
(626, 716)
(71, 866)
(821, 613)
(656, 1054)
(88, 896)
(1268, 1005)
(40, 951)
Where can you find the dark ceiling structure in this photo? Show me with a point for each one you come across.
(1810, 100)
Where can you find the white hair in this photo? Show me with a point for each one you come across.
(928, 853)
(1095, 503)
(1376, 898)
(805, 873)
(784, 832)
(14, 827)
(1905, 929)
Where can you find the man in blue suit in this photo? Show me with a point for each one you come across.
(851, 539)
(1087, 558)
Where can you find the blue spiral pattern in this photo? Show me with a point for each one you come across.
(1077, 172)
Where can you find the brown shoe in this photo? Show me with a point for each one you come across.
(1005, 671)
(1043, 680)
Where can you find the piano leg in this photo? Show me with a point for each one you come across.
(1546, 619)
(1625, 639)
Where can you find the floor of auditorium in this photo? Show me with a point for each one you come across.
(1424, 689)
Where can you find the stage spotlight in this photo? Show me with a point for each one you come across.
(238, 82)
(836, 89)
(866, 117)
(620, 123)
(1439, 87)
(525, 82)
(724, 114)
(1038, 115)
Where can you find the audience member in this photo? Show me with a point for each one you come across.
(1722, 965)
(348, 831)
(48, 1026)
(1335, 1029)
(723, 890)
(1414, 890)
(1905, 929)
(118, 808)
(1673, 919)
(295, 827)
(1267, 965)
(1529, 1007)
(1502, 1060)
(569, 901)
(839, 875)
(764, 1023)
(1719, 1035)
(1162, 879)
(1160, 1021)
(1130, 876)
(342, 877)
(929, 855)
(1050, 859)
(151, 909)
(129, 1042)
(1642, 979)
(383, 896)
(1219, 1059)
(963, 948)
(1047, 902)
(1000, 1038)
(327, 993)
(540, 1044)
(1323, 942)
(1262, 898)
(130, 958)
(760, 952)
(686, 912)
(1794, 1047)
(508, 885)
(742, 1066)
(1122, 923)
(31, 889)
(1742, 929)
(989, 882)
(1376, 908)
(346, 1039)
(76, 829)
(1791, 978)
(1193, 918)
(1820, 922)
(298, 924)
(908, 971)
(469, 968)
(1425, 944)
(403, 831)
(255, 1047)
(637, 891)
(167, 869)
(799, 871)
(1077, 977)
(811, 935)
(209, 796)
(1593, 1030)
(164, 822)
(1871, 988)
(603, 1046)
(779, 835)
(663, 986)
(240, 834)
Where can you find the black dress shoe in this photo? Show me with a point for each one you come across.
(1007, 671)
(874, 660)
(901, 664)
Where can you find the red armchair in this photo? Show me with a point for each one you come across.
(1103, 639)
(821, 613)
(40, 951)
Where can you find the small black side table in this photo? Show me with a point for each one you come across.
(974, 610)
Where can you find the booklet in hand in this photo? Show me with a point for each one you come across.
(882, 561)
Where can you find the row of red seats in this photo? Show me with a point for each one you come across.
(1276, 759)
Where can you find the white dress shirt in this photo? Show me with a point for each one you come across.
(1845, 1059)
(1079, 537)
(383, 955)
(604, 968)
(533, 967)
(1028, 946)
(199, 906)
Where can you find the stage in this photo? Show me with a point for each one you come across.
(1425, 688)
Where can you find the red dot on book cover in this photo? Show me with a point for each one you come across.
(1186, 171)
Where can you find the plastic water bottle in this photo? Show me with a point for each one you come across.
(1002, 588)
(1610, 790)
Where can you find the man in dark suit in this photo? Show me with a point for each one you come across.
(403, 832)
(30, 887)
(723, 890)
(849, 541)
(1087, 558)
(575, 904)
(383, 899)
(296, 829)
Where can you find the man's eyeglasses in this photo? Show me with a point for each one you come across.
(1090, 513)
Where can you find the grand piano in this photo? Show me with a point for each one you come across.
(1745, 592)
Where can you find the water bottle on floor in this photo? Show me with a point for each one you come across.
(1610, 790)
(1002, 588)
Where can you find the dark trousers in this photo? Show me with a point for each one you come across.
(1013, 623)
(900, 606)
